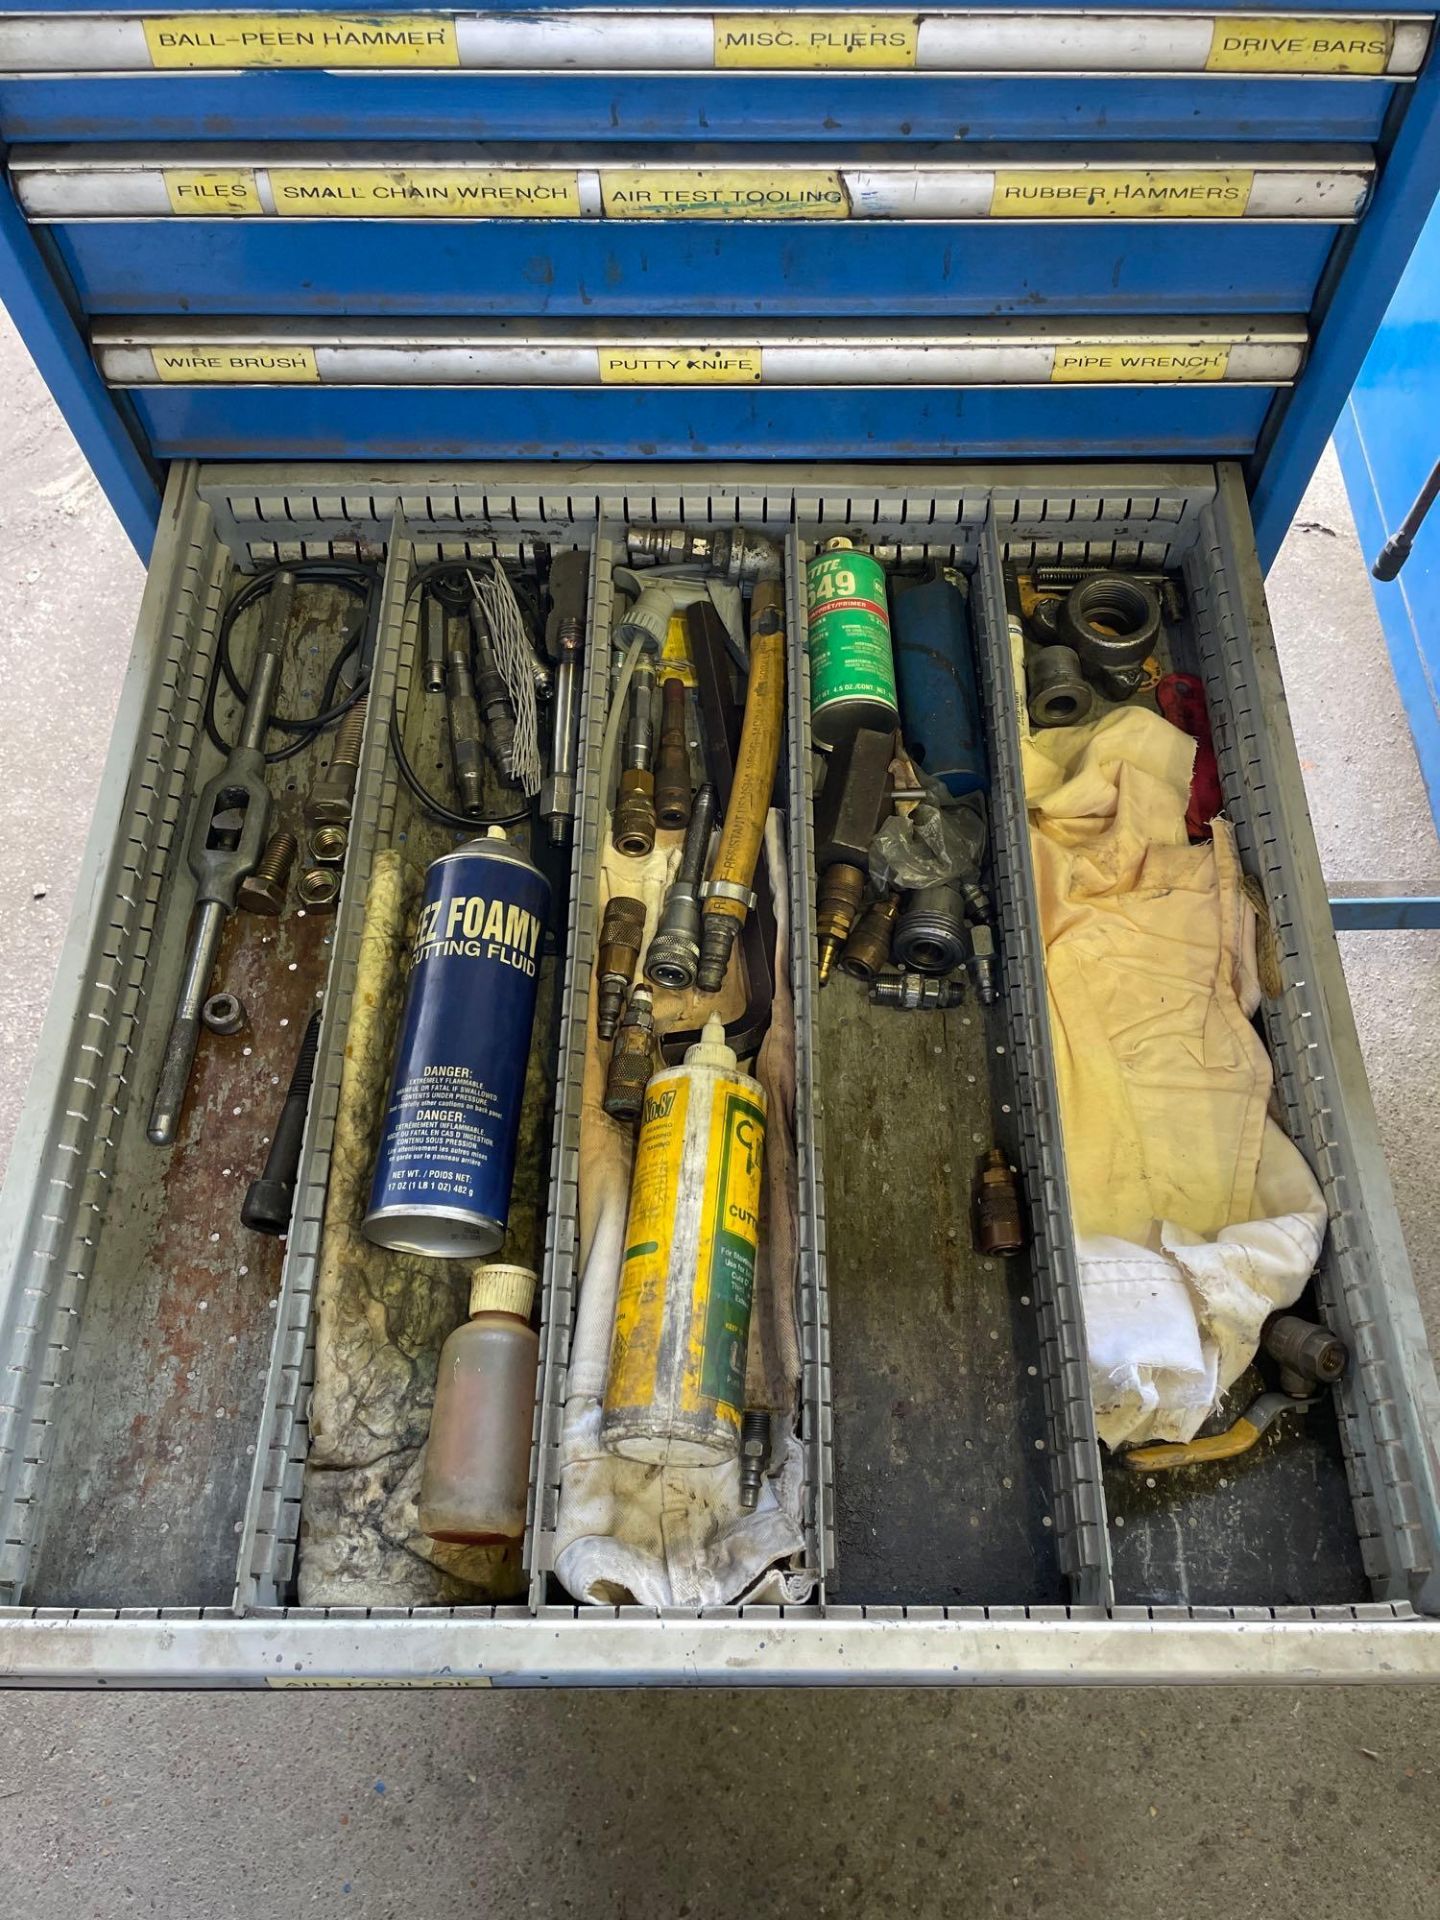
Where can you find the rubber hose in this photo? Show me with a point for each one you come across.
(743, 833)
(613, 724)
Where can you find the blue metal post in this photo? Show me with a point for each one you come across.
(1375, 253)
(58, 348)
(1385, 913)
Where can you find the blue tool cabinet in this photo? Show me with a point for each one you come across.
(1077, 284)
(1388, 438)
(98, 112)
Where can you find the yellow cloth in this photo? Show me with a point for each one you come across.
(1195, 1216)
(1149, 948)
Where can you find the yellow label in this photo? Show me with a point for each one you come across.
(676, 662)
(309, 1680)
(208, 191)
(1250, 43)
(216, 366)
(486, 193)
(649, 1227)
(725, 1271)
(1123, 365)
(723, 193)
(302, 40)
(1033, 193)
(679, 366)
(860, 41)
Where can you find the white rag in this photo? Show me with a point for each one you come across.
(628, 1531)
(1196, 1217)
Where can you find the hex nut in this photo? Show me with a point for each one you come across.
(328, 843)
(319, 887)
(224, 1013)
(329, 802)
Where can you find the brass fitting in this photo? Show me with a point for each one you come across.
(1309, 1356)
(983, 966)
(672, 764)
(731, 553)
(754, 1456)
(333, 793)
(916, 992)
(319, 888)
(263, 891)
(867, 950)
(328, 844)
(634, 823)
(633, 1060)
(622, 934)
(837, 903)
(674, 956)
(999, 1225)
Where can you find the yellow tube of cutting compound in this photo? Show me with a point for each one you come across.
(676, 1386)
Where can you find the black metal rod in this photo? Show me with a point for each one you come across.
(1396, 550)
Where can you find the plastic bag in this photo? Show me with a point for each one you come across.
(941, 839)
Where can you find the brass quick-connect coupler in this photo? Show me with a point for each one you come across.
(999, 1225)
(622, 933)
(837, 901)
(633, 1059)
(633, 828)
(674, 957)
(867, 950)
(634, 823)
(718, 934)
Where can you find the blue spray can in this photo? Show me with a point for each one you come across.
(447, 1144)
(939, 706)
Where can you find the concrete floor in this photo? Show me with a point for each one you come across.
(1241, 1802)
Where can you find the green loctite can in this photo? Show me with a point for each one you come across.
(852, 663)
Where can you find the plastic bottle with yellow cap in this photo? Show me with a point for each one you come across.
(477, 1462)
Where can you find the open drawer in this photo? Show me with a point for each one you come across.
(961, 1521)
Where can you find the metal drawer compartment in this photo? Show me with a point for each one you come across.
(192, 1579)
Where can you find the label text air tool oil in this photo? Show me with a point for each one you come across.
(676, 1387)
(447, 1145)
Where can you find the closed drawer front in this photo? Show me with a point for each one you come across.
(1048, 1583)
(370, 202)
